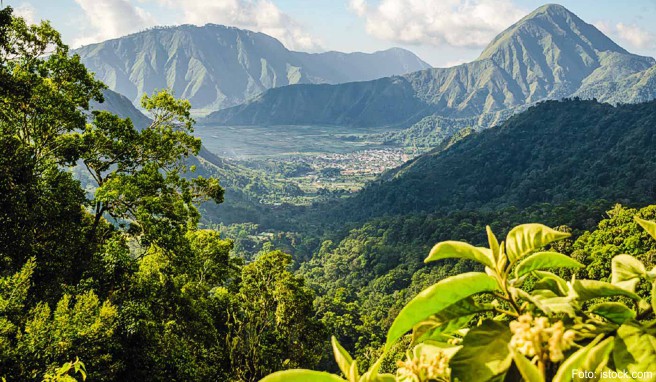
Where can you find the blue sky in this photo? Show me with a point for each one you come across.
(442, 32)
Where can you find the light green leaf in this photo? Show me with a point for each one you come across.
(588, 289)
(344, 361)
(485, 354)
(551, 282)
(545, 260)
(635, 348)
(649, 226)
(548, 302)
(301, 376)
(627, 271)
(494, 244)
(378, 378)
(461, 250)
(592, 357)
(527, 238)
(435, 298)
(372, 374)
(614, 312)
(528, 370)
(449, 320)
(653, 296)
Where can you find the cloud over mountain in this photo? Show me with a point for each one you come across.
(457, 23)
(259, 15)
(112, 18)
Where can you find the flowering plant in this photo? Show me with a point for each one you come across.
(530, 324)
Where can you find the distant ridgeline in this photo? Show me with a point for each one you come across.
(549, 54)
(214, 66)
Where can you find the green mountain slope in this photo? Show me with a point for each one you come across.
(552, 153)
(216, 66)
(549, 54)
(120, 105)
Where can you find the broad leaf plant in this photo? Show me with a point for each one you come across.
(529, 323)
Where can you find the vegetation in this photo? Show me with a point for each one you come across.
(122, 280)
(533, 326)
(120, 277)
(554, 152)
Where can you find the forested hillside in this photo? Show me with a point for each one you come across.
(554, 152)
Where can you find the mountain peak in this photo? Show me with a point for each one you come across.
(552, 24)
(554, 9)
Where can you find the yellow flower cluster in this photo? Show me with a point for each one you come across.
(423, 369)
(536, 336)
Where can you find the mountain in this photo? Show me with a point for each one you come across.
(554, 152)
(549, 54)
(120, 105)
(215, 66)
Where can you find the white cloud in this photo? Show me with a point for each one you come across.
(629, 34)
(111, 18)
(259, 15)
(26, 11)
(635, 36)
(459, 23)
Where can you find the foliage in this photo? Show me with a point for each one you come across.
(552, 330)
(555, 152)
(122, 277)
(63, 374)
(272, 327)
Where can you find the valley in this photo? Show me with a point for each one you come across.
(322, 161)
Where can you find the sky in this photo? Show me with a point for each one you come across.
(441, 32)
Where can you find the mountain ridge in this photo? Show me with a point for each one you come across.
(215, 66)
(549, 54)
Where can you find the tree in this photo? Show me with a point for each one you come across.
(272, 324)
(140, 174)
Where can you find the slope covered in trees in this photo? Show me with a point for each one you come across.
(554, 152)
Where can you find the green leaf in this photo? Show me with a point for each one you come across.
(551, 282)
(449, 320)
(528, 370)
(614, 312)
(653, 296)
(494, 244)
(437, 297)
(526, 238)
(548, 302)
(635, 348)
(378, 378)
(484, 355)
(627, 271)
(301, 376)
(460, 250)
(344, 361)
(545, 260)
(588, 289)
(372, 374)
(649, 226)
(592, 357)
